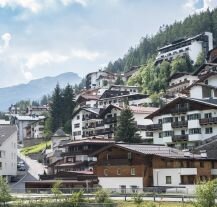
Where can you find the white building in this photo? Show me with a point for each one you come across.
(102, 123)
(35, 129)
(8, 151)
(22, 122)
(184, 122)
(130, 89)
(179, 82)
(192, 46)
(100, 79)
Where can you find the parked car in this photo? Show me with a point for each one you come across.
(21, 167)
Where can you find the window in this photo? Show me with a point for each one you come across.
(167, 120)
(195, 131)
(201, 164)
(76, 125)
(208, 130)
(134, 188)
(206, 82)
(106, 172)
(208, 115)
(159, 121)
(123, 188)
(118, 171)
(160, 134)
(85, 147)
(78, 117)
(107, 156)
(133, 171)
(168, 133)
(129, 155)
(194, 116)
(182, 132)
(0, 165)
(168, 180)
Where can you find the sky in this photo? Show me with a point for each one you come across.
(41, 38)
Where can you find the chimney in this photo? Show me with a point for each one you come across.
(203, 153)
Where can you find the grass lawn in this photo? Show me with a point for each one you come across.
(158, 204)
(35, 148)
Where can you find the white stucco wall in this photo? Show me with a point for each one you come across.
(159, 175)
(9, 156)
(116, 182)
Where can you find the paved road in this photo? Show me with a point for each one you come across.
(34, 168)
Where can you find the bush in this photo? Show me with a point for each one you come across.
(77, 198)
(103, 197)
(138, 198)
(150, 204)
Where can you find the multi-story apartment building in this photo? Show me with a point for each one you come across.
(22, 122)
(8, 151)
(87, 122)
(100, 79)
(192, 47)
(35, 129)
(125, 167)
(184, 122)
(113, 97)
(180, 81)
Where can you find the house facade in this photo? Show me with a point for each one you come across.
(184, 122)
(126, 167)
(8, 151)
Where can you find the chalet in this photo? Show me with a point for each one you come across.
(136, 99)
(124, 166)
(184, 122)
(179, 81)
(77, 155)
(86, 100)
(37, 110)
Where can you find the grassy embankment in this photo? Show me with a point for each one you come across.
(35, 148)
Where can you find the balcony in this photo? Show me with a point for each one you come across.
(180, 138)
(84, 118)
(110, 120)
(151, 127)
(104, 131)
(179, 124)
(212, 120)
(180, 110)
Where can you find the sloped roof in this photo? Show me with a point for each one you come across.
(6, 131)
(158, 150)
(207, 102)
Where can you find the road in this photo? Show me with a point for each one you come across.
(33, 169)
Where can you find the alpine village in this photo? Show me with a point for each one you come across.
(142, 127)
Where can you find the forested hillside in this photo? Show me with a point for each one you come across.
(192, 25)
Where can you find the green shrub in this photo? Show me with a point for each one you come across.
(77, 198)
(138, 198)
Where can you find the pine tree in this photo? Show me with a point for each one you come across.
(56, 109)
(68, 107)
(127, 129)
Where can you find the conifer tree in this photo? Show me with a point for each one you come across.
(127, 129)
(56, 109)
(4, 192)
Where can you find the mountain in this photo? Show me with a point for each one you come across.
(147, 48)
(35, 89)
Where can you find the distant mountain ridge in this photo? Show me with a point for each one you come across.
(35, 89)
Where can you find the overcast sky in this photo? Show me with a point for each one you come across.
(47, 37)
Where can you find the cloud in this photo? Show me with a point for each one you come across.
(36, 6)
(46, 57)
(6, 37)
(84, 54)
(191, 5)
